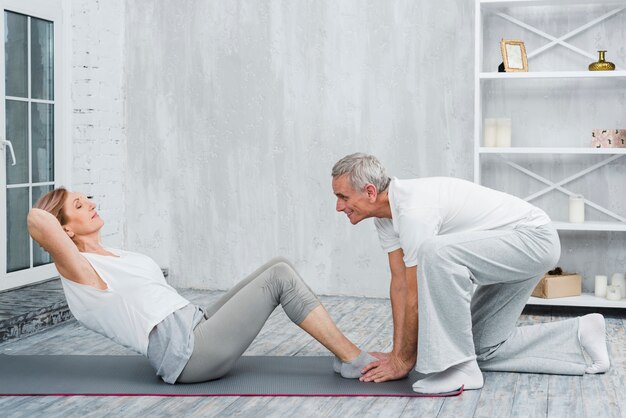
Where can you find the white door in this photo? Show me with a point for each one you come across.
(30, 131)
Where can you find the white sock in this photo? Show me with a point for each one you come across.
(352, 369)
(592, 337)
(337, 365)
(466, 374)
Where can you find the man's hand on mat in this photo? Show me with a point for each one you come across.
(388, 367)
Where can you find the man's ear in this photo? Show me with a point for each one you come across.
(371, 191)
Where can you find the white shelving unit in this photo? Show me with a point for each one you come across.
(483, 80)
(554, 74)
(584, 300)
(549, 150)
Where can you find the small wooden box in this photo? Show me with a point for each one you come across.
(563, 285)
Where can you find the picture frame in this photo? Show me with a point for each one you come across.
(513, 55)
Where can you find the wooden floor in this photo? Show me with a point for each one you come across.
(368, 323)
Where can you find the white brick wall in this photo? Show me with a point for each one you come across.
(97, 103)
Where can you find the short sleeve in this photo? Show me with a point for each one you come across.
(416, 226)
(389, 239)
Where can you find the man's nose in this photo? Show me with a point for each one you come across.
(339, 207)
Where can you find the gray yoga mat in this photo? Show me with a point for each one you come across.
(132, 376)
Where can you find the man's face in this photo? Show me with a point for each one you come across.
(356, 204)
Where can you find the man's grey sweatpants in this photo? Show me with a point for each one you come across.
(236, 319)
(456, 326)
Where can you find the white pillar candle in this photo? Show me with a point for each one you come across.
(490, 133)
(618, 279)
(503, 133)
(577, 209)
(613, 293)
(601, 282)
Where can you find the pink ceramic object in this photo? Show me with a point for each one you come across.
(608, 138)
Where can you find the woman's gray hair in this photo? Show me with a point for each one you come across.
(362, 169)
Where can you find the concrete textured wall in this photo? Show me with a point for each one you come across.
(236, 111)
(98, 128)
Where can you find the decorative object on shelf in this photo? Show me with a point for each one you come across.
(613, 293)
(513, 55)
(600, 286)
(497, 132)
(557, 284)
(608, 138)
(577, 208)
(490, 128)
(618, 279)
(601, 64)
(503, 138)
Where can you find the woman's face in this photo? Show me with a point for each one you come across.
(81, 215)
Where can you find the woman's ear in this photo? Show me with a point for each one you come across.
(69, 232)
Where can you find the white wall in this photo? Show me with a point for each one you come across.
(238, 110)
(98, 128)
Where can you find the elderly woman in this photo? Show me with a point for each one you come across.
(124, 296)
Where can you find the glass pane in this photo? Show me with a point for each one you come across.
(17, 133)
(43, 142)
(16, 54)
(42, 59)
(40, 256)
(18, 249)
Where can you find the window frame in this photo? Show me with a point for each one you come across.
(58, 12)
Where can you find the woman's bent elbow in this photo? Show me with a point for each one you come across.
(36, 221)
(32, 219)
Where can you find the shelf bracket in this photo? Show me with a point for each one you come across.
(559, 185)
(561, 40)
(573, 177)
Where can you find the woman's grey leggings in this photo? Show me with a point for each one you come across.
(236, 319)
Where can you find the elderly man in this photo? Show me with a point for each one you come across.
(443, 236)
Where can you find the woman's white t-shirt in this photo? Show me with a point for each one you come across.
(426, 207)
(136, 299)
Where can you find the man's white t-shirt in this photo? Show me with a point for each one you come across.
(426, 207)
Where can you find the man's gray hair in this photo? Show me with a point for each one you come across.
(362, 169)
